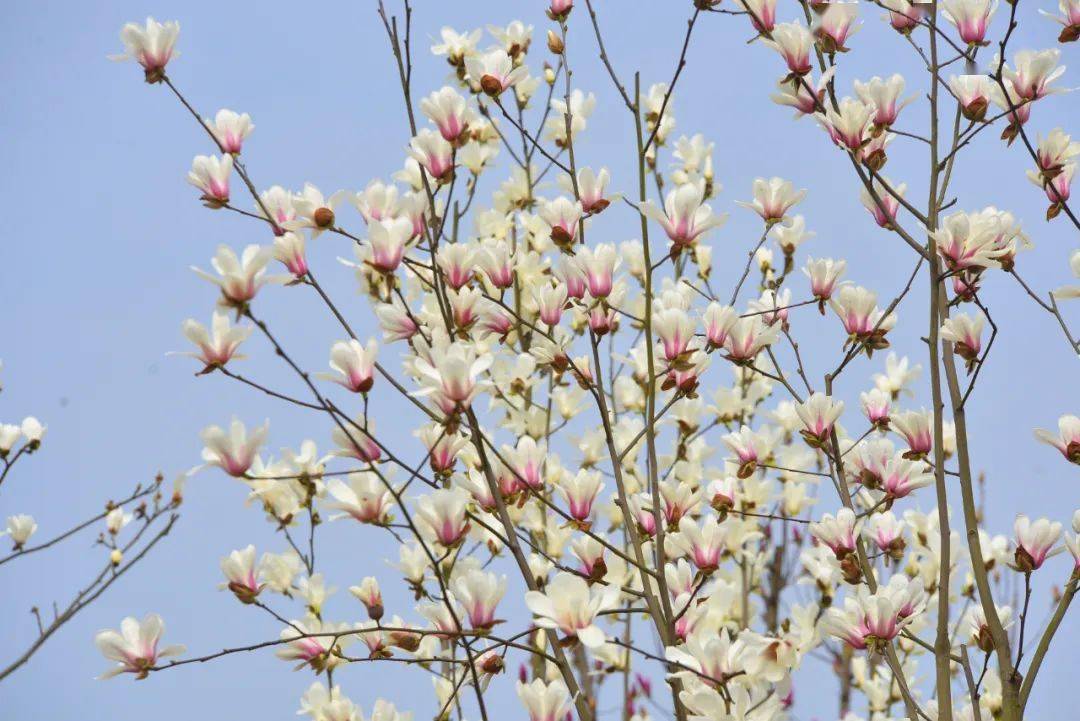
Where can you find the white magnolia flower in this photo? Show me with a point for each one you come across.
(135, 646)
(567, 604)
(20, 527)
(150, 45)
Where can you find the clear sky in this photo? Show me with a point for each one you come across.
(102, 227)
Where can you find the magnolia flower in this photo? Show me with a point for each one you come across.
(675, 329)
(443, 448)
(135, 647)
(458, 263)
(546, 701)
(806, 98)
(447, 109)
(218, 345)
(210, 174)
(151, 46)
(875, 406)
(773, 198)
(239, 278)
(971, 18)
(452, 374)
(314, 211)
(310, 642)
(914, 427)
(818, 414)
(1018, 108)
(969, 240)
(276, 205)
(904, 16)
(580, 492)
(793, 41)
(883, 95)
(396, 322)
(368, 593)
(974, 93)
(457, 46)
(868, 621)
(568, 605)
(887, 205)
(289, 249)
(230, 130)
(1054, 151)
(685, 217)
(592, 188)
(824, 275)
(791, 234)
(550, 302)
(1058, 189)
(902, 476)
(1033, 72)
(835, 25)
(703, 544)
(443, 513)
(433, 153)
(580, 108)
(597, 266)
(363, 497)
(377, 201)
(116, 519)
(496, 259)
(888, 534)
(1070, 19)
(849, 124)
(747, 337)
(749, 448)
(979, 629)
(558, 10)
(839, 533)
(479, 593)
(9, 436)
(354, 439)
(526, 460)
(719, 320)
(562, 214)
(388, 239)
(862, 319)
(1068, 439)
(494, 71)
(1035, 542)
(762, 15)
(515, 38)
(240, 574)
(20, 528)
(965, 332)
(354, 364)
(233, 451)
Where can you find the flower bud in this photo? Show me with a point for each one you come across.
(555, 43)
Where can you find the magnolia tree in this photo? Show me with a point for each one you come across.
(147, 514)
(647, 461)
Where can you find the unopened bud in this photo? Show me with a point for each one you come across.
(116, 557)
(555, 43)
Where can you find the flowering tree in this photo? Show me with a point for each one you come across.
(145, 512)
(564, 453)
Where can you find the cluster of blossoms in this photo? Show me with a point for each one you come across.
(604, 435)
(145, 506)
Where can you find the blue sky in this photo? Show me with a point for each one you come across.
(102, 228)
